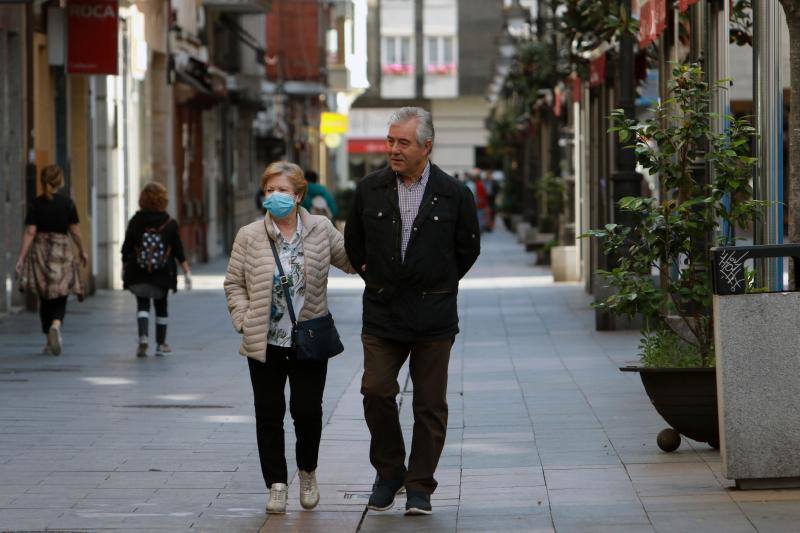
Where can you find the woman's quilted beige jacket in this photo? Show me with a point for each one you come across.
(248, 282)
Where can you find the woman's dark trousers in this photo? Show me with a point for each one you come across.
(306, 384)
(50, 310)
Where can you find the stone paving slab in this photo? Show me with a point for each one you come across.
(544, 434)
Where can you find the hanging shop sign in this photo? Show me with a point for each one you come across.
(92, 36)
(576, 88)
(652, 20)
(597, 71)
(366, 146)
(332, 123)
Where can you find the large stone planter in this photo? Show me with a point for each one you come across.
(757, 348)
(564, 263)
(686, 398)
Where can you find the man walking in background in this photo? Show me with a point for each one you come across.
(412, 234)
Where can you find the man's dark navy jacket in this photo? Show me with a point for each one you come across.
(412, 299)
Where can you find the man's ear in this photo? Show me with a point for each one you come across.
(428, 147)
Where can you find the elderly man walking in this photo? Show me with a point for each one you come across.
(412, 234)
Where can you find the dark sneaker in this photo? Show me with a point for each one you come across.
(383, 493)
(418, 503)
(163, 349)
(141, 349)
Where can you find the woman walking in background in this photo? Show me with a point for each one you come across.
(307, 245)
(46, 263)
(149, 254)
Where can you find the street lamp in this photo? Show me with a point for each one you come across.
(505, 45)
(518, 20)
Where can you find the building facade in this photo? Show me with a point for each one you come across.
(436, 54)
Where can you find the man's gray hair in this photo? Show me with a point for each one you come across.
(424, 123)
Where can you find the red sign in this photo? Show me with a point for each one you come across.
(652, 20)
(92, 36)
(366, 146)
(684, 4)
(597, 71)
(577, 88)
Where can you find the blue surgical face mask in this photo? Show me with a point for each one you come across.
(279, 204)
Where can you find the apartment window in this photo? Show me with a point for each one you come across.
(433, 51)
(405, 50)
(397, 56)
(447, 50)
(439, 55)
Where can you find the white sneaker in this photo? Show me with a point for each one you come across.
(54, 340)
(278, 494)
(309, 491)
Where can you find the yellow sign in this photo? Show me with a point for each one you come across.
(333, 123)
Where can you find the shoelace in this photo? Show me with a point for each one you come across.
(306, 484)
(276, 495)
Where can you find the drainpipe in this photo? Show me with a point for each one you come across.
(768, 100)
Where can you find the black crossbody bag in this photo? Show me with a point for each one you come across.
(315, 339)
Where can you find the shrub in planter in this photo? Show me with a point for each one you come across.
(668, 234)
(671, 235)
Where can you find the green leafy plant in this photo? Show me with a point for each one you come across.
(664, 349)
(670, 235)
(549, 190)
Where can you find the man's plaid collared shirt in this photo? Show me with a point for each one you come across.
(410, 198)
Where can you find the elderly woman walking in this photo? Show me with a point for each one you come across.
(46, 263)
(151, 249)
(257, 289)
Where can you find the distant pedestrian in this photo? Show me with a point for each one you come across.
(412, 234)
(150, 252)
(46, 263)
(307, 246)
(319, 200)
(481, 202)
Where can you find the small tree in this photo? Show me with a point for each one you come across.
(668, 233)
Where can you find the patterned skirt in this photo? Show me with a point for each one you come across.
(51, 270)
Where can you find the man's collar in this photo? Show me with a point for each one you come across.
(426, 172)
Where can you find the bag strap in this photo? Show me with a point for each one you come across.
(158, 229)
(284, 281)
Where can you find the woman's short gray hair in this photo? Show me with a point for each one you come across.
(424, 124)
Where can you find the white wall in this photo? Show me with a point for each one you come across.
(369, 123)
(440, 19)
(459, 124)
(397, 20)
(741, 64)
(255, 25)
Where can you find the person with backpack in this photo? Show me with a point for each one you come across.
(319, 200)
(150, 254)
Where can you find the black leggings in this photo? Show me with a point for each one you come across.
(50, 310)
(143, 313)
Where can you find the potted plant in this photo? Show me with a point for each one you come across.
(705, 184)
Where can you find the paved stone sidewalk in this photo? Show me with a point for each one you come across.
(545, 434)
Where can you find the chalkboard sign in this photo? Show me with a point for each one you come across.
(728, 264)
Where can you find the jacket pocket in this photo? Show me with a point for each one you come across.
(433, 310)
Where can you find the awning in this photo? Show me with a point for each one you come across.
(652, 20)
